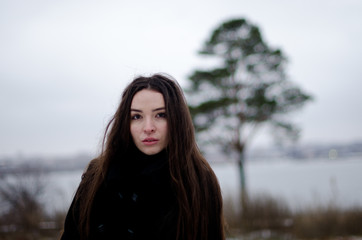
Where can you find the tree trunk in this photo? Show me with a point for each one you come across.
(244, 195)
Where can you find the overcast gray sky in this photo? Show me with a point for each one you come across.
(64, 64)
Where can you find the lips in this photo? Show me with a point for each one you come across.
(150, 141)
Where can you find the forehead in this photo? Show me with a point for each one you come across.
(147, 98)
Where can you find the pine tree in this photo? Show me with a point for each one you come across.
(247, 89)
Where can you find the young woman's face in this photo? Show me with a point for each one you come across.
(148, 122)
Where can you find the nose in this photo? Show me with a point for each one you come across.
(149, 126)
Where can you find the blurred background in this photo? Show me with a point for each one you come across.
(64, 64)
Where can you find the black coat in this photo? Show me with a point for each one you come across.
(135, 201)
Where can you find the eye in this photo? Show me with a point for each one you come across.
(161, 115)
(136, 117)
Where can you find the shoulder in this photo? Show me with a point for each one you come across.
(89, 178)
(92, 167)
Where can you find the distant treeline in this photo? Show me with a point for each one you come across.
(309, 151)
(297, 151)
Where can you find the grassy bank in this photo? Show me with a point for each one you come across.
(266, 217)
(262, 217)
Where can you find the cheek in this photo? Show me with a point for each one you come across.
(133, 130)
(165, 130)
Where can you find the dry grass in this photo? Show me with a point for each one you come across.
(266, 217)
(328, 222)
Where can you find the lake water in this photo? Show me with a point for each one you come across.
(300, 183)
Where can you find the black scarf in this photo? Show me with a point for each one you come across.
(136, 197)
(138, 169)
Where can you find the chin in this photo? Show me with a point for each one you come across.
(151, 151)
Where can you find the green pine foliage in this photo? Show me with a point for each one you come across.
(246, 89)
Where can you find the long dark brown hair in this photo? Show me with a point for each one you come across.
(194, 182)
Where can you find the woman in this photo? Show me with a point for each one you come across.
(150, 181)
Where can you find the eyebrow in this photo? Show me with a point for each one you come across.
(154, 110)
